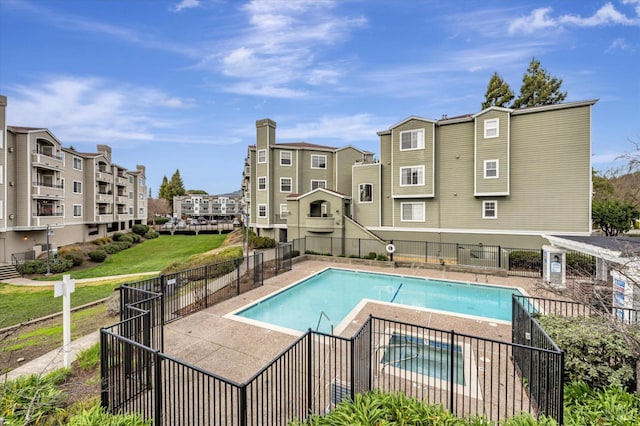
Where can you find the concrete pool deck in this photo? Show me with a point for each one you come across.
(237, 350)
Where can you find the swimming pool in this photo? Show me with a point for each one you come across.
(323, 300)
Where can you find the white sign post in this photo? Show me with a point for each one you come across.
(64, 288)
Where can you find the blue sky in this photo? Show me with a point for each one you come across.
(179, 84)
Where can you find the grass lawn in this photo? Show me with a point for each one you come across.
(151, 255)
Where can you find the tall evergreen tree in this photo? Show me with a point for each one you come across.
(498, 93)
(538, 88)
(163, 192)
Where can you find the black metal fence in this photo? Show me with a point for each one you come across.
(20, 258)
(468, 375)
(522, 262)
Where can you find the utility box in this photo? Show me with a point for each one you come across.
(554, 266)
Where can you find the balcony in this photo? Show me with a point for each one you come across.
(49, 219)
(122, 199)
(46, 160)
(104, 217)
(320, 224)
(104, 198)
(122, 216)
(47, 190)
(104, 177)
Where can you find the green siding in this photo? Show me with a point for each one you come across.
(410, 158)
(367, 214)
(492, 149)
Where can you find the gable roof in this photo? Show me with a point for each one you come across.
(306, 194)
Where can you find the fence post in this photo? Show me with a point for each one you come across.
(560, 400)
(309, 373)
(238, 274)
(451, 370)
(499, 257)
(359, 248)
(157, 417)
(104, 369)
(242, 405)
(426, 252)
(457, 253)
(352, 361)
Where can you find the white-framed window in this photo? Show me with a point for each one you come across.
(77, 210)
(285, 184)
(141, 211)
(412, 212)
(491, 128)
(77, 187)
(411, 176)
(130, 194)
(318, 161)
(315, 184)
(262, 183)
(490, 209)
(130, 179)
(141, 181)
(491, 169)
(412, 139)
(262, 156)
(262, 210)
(285, 158)
(77, 163)
(284, 212)
(130, 210)
(365, 193)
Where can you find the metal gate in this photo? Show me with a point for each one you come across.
(284, 253)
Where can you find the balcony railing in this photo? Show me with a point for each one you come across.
(40, 159)
(48, 190)
(104, 197)
(323, 223)
(104, 217)
(104, 177)
(48, 219)
(121, 181)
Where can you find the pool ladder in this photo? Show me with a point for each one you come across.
(324, 314)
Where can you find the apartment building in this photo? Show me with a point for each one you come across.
(274, 171)
(210, 207)
(498, 177)
(73, 196)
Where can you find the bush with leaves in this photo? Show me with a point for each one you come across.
(75, 256)
(101, 241)
(523, 259)
(56, 266)
(135, 238)
(585, 406)
(593, 353)
(262, 242)
(151, 234)
(97, 255)
(116, 236)
(140, 229)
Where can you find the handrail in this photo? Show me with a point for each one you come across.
(323, 313)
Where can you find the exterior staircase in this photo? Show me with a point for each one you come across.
(8, 271)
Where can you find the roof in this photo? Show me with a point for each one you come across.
(329, 191)
(22, 129)
(305, 145)
(617, 249)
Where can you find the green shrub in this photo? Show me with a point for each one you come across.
(57, 266)
(593, 353)
(75, 256)
(97, 415)
(140, 229)
(151, 234)
(262, 242)
(135, 238)
(35, 267)
(89, 358)
(291, 254)
(382, 257)
(127, 238)
(581, 263)
(521, 259)
(116, 236)
(372, 255)
(30, 267)
(609, 406)
(101, 241)
(160, 220)
(97, 255)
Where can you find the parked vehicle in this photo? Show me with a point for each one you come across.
(202, 221)
(181, 224)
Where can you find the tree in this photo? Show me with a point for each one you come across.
(602, 187)
(197, 191)
(157, 207)
(163, 192)
(498, 93)
(613, 216)
(626, 178)
(539, 88)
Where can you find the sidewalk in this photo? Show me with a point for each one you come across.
(26, 282)
(54, 359)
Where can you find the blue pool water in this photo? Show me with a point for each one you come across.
(336, 292)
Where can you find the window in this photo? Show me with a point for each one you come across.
(412, 139)
(262, 183)
(285, 158)
(77, 163)
(130, 210)
(141, 181)
(491, 128)
(77, 187)
(411, 176)
(130, 179)
(412, 212)
(262, 156)
(262, 210)
(315, 184)
(285, 184)
(77, 210)
(490, 209)
(130, 194)
(318, 161)
(491, 169)
(365, 191)
(284, 212)
(141, 211)
(141, 195)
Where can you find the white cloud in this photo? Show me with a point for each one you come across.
(185, 4)
(357, 127)
(279, 50)
(618, 44)
(85, 109)
(541, 19)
